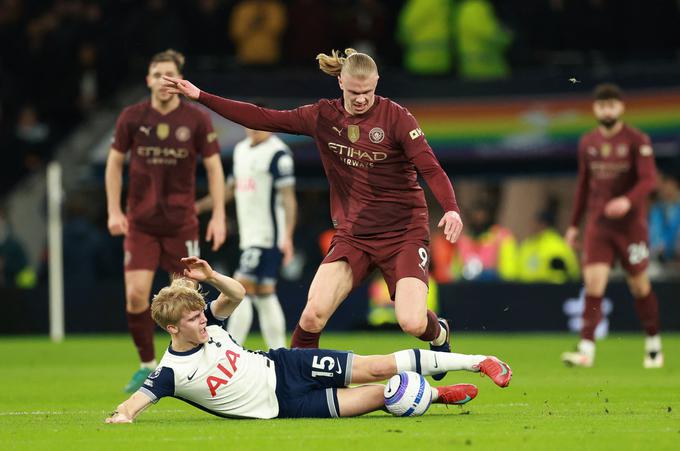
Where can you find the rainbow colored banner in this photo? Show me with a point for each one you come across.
(511, 127)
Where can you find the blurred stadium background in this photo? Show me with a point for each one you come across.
(504, 125)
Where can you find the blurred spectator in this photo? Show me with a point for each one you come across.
(307, 18)
(257, 27)
(664, 219)
(207, 22)
(31, 137)
(14, 268)
(487, 251)
(544, 256)
(425, 32)
(482, 41)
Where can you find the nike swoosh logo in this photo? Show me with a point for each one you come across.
(467, 398)
(192, 374)
(339, 367)
(435, 361)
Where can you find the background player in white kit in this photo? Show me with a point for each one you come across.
(206, 368)
(263, 185)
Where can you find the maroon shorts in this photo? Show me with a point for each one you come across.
(629, 245)
(147, 251)
(396, 257)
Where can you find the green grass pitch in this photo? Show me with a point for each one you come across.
(55, 396)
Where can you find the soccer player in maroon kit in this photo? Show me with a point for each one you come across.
(616, 174)
(164, 137)
(372, 150)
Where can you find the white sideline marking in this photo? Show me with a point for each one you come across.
(78, 412)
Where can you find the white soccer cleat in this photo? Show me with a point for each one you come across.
(653, 360)
(577, 359)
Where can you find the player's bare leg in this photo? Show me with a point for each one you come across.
(361, 400)
(595, 277)
(647, 308)
(410, 305)
(331, 285)
(137, 291)
(241, 319)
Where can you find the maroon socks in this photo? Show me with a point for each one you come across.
(303, 339)
(142, 327)
(647, 309)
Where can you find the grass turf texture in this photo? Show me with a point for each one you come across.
(55, 396)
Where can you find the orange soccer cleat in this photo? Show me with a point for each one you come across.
(499, 371)
(456, 394)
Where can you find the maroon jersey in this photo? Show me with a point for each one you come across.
(370, 161)
(163, 152)
(621, 165)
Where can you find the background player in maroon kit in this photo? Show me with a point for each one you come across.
(164, 136)
(616, 173)
(372, 150)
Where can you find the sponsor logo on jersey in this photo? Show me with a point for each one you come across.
(415, 133)
(155, 374)
(606, 149)
(352, 156)
(353, 133)
(338, 130)
(192, 375)
(646, 150)
(376, 135)
(621, 150)
(183, 133)
(145, 130)
(162, 130)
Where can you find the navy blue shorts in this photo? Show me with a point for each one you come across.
(259, 265)
(307, 381)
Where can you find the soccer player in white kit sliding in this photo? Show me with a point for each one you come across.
(263, 186)
(206, 368)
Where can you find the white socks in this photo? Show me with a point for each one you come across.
(240, 321)
(587, 347)
(441, 338)
(272, 321)
(428, 363)
(149, 365)
(653, 343)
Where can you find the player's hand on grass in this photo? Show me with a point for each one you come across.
(617, 207)
(288, 251)
(174, 85)
(117, 223)
(197, 269)
(117, 417)
(571, 237)
(452, 224)
(216, 232)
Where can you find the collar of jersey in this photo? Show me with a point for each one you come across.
(183, 353)
(369, 113)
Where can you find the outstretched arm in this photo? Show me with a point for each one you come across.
(128, 410)
(231, 291)
(300, 121)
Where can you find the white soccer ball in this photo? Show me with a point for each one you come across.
(407, 394)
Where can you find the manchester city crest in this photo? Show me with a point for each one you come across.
(353, 133)
(376, 135)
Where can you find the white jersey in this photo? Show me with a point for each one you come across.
(219, 377)
(258, 172)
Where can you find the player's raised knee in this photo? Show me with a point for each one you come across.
(413, 326)
(313, 319)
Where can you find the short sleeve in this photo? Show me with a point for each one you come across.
(283, 169)
(210, 316)
(122, 137)
(207, 143)
(159, 384)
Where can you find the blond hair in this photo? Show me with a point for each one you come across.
(169, 55)
(353, 63)
(182, 295)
